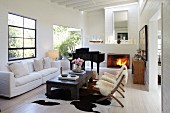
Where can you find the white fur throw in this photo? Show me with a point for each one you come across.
(104, 87)
(125, 72)
(109, 79)
(110, 75)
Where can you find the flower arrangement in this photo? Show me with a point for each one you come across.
(78, 61)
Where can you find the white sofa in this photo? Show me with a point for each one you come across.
(11, 86)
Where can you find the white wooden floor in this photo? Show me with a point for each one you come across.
(136, 100)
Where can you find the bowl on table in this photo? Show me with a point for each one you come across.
(64, 75)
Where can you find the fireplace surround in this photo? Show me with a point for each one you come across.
(117, 60)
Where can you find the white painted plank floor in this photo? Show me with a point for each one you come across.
(137, 100)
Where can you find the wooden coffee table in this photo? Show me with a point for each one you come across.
(72, 85)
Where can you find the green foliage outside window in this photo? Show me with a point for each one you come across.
(65, 40)
(67, 46)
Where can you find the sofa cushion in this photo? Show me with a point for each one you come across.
(47, 62)
(38, 64)
(19, 69)
(28, 78)
(48, 71)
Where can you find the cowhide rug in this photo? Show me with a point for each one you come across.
(86, 102)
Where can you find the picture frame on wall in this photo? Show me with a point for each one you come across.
(143, 42)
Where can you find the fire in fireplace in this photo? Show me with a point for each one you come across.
(117, 60)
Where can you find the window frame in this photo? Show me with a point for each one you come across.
(23, 48)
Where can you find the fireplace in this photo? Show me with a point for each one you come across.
(117, 60)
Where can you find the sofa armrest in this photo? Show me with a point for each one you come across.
(7, 83)
(56, 64)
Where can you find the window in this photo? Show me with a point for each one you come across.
(21, 37)
(66, 39)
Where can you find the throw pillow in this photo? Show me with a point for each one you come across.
(30, 66)
(47, 63)
(19, 69)
(38, 64)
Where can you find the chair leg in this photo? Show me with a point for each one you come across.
(122, 84)
(120, 93)
(104, 98)
(118, 101)
(121, 88)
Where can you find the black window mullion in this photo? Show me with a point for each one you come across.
(23, 38)
(8, 42)
(21, 48)
(35, 38)
(15, 37)
(21, 27)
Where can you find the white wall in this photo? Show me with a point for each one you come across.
(132, 20)
(96, 24)
(152, 56)
(46, 14)
(166, 58)
(150, 9)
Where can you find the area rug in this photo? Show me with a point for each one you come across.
(86, 102)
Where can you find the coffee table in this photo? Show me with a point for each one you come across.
(72, 85)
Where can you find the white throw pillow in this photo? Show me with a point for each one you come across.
(47, 63)
(38, 64)
(30, 66)
(19, 69)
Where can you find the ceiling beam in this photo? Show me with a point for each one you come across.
(79, 4)
(93, 2)
(67, 2)
(57, 0)
(89, 5)
(102, 3)
(86, 3)
(99, 6)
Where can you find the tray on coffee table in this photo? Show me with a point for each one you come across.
(68, 77)
(77, 73)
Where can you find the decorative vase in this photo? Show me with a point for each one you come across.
(77, 68)
(118, 41)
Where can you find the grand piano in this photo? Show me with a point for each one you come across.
(86, 55)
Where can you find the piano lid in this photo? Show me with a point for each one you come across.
(82, 50)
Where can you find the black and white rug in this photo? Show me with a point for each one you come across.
(86, 102)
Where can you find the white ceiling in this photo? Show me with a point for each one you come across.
(90, 5)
